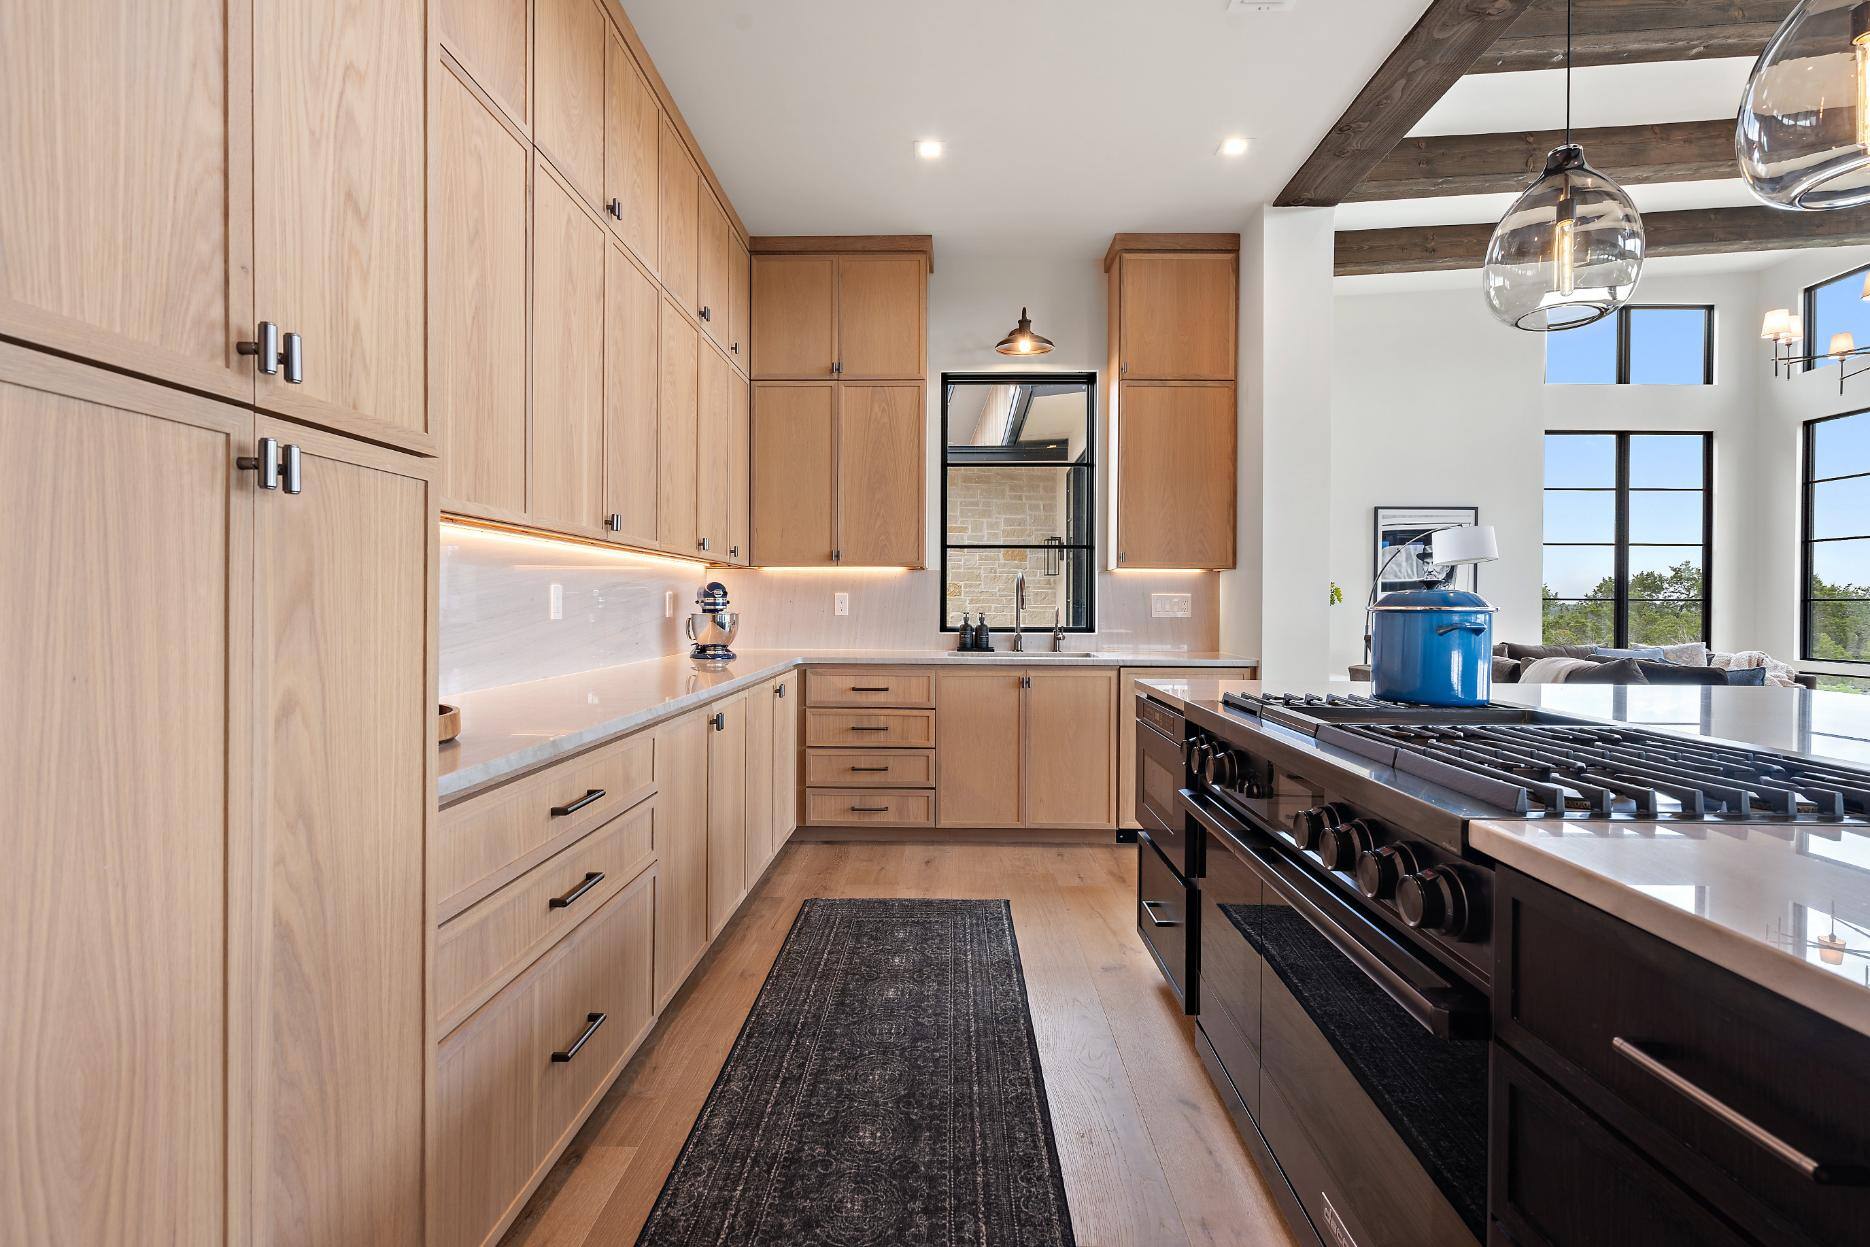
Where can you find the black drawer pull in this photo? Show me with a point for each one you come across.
(592, 1022)
(870, 688)
(591, 880)
(871, 770)
(870, 727)
(870, 809)
(1815, 1170)
(1149, 907)
(596, 794)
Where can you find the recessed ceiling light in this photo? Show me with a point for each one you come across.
(930, 149)
(1234, 145)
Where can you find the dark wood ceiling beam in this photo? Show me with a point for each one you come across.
(1697, 231)
(1480, 164)
(1629, 32)
(1442, 46)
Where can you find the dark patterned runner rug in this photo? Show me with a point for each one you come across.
(884, 1090)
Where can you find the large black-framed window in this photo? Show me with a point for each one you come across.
(1835, 584)
(1628, 550)
(1019, 494)
(1641, 344)
(1833, 306)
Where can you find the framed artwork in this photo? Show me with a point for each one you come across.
(1402, 547)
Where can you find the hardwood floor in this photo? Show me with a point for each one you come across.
(1149, 1154)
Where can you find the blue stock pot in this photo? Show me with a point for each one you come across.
(1433, 647)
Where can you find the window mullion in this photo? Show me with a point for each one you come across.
(1620, 613)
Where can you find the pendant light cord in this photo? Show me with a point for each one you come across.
(1567, 73)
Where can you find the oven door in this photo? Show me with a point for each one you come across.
(1159, 779)
(1167, 918)
(1371, 1078)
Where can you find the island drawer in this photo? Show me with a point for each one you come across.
(861, 768)
(869, 807)
(1756, 1103)
(868, 686)
(871, 729)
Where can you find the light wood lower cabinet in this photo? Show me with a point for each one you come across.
(978, 752)
(758, 837)
(1026, 747)
(867, 807)
(727, 810)
(788, 705)
(681, 849)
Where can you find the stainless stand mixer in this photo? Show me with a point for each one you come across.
(713, 627)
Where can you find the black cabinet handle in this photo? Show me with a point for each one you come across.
(591, 880)
(870, 727)
(592, 1022)
(870, 809)
(867, 770)
(870, 688)
(719, 720)
(559, 811)
(1149, 907)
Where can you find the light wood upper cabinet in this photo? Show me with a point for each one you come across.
(727, 810)
(677, 528)
(879, 458)
(569, 42)
(1070, 744)
(338, 207)
(632, 130)
(794, 474)
(127, 755)
(758, 838)
(682, 846)
(1178, 315)
(977, 747)
(344, 718)
(793, 318)
(739, 470)
(126, 208)
(739, 303)
(678, 222)
(491, 39)
(715, 257)
(477, 273)
(632, 312)
(1175, 479)
(881, 317)
(713, 453)
(569, 252)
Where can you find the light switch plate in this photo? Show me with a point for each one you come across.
(668, 603)
(840, 604)
(1171, 605)
(555, 602)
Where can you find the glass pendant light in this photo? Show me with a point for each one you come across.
(1023, 341)
(1569, 250)
(1803, 135)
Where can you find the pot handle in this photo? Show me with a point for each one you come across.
(1445, 629)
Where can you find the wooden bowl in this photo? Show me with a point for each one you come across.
(448, 726)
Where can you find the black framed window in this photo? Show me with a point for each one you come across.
(1628, 551)
(1836, 508)
(1650, 344)
(1832, 307)
(1019, 495)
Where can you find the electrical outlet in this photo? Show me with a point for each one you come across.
(1171, 605)
(555, 602)
(668, 603)
(840, 604)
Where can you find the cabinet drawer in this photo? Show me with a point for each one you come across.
(913, 729)
(479, 950)
(509, 1087)
(858, 768)
(864, 807)
(1652, 1039)
(484, 842)
(861, 686)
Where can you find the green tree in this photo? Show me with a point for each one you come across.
(1665, 609)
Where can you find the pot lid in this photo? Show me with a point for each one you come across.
(1433, 600)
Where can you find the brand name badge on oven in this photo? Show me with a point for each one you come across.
(1334, 1225)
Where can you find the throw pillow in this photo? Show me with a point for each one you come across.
(1506, 671)
(1524, 653)
(1616, 671)
(1670, 673)
(1691, 654)
(1745, 677)
(1648, 653)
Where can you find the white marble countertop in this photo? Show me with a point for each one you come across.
(508, 731)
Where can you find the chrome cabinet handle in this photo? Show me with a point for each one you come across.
(1814, 1170)
(595, 794)
(1149, 907)
(701, 543)
(735, 348)
(264, 347)
(614, 523)
(265, 463)
(733, 552)
(295, 359)
(294, 471)
(592, 1022)
(591, 880)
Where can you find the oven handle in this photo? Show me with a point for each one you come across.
(1446, 1009)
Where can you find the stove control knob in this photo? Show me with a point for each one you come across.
(1222, 768)
(1198, 751)
(1378, 870)
(1434, 900)
(1339, 847)
(1308, 826)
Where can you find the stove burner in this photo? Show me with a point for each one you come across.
(1256, 703)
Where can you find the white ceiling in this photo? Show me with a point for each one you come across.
(1066, 120)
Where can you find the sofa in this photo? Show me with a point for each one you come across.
(1693, 663)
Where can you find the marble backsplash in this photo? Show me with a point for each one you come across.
(519, 608)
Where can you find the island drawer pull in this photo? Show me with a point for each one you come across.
(870, 809)
(593, 1021)
(1149, 907)
(591, 880)
(871, 770)
(870, 727)
(595, 794)
(870, 688)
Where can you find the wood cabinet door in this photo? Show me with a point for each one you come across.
(1178, 313)
(739, 303)
(880, 317)
(568, 358)
(339, 210)
(1070, 747)
(632, 126)
(124, 624)
(727, 810)
(492, 41)
(794, 475)
(713, 452)
(793, 324)
(678, 217)
(477, 279)
(760, 761)
(880, 475)
(786, 704)
(978, 759)
(126, 208)
(714, 259)
(739, 470)
(568, 52)
(682, 847)
(1175, 476)
(344, 793)
(678, 424)
(632, 315)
